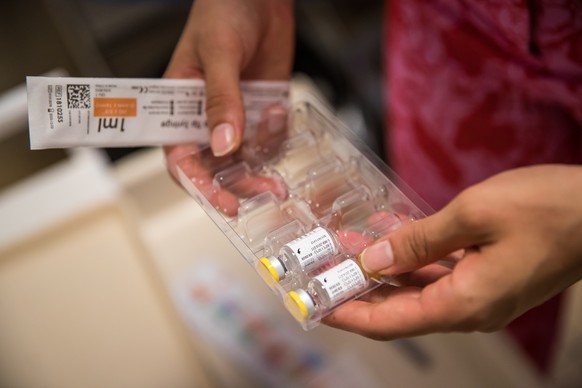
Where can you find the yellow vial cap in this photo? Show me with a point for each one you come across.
(270, 269)
(299, 304)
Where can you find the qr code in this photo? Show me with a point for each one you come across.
(78, 96)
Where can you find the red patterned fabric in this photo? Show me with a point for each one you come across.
(478, 87)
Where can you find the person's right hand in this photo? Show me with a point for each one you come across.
(223, 42)
(520, 235)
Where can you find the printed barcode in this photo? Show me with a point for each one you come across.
(78, 96)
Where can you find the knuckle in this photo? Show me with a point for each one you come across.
(472, 309)
(218, 100)
(222, 107)
(479, 311)
(417, 245)
(472, 212)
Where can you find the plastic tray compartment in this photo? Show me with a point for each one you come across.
(302, 211)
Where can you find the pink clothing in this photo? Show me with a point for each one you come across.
(466, 97)
(478, 87)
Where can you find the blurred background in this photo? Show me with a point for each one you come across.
(111, 276)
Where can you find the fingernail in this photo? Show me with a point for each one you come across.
(377, 257)
(222, 141)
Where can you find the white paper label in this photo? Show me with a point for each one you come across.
(342, 281)
(313, 248)
(124, 112)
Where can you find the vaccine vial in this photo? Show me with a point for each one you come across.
(305, 254)
(327, 290)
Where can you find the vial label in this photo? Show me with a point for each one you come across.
(341, 282)
(312, 248)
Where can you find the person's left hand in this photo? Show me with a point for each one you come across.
(522, 235)
(223, 42)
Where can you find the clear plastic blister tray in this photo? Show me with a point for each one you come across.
(300, 205)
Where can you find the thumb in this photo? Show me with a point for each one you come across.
(224, 106)
(416, 244)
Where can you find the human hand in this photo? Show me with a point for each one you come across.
(521, 234)
(224, 41)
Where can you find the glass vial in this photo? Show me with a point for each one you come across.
(327, 290)
(304, 254)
